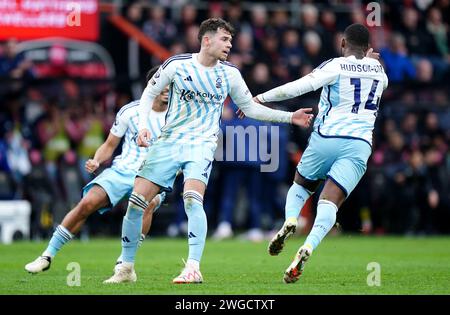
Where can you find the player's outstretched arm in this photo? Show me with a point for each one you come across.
(244, 100)
(301, 117)
(325, 74)
(286, 91)
(103, 153)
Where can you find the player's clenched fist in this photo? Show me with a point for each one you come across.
(143, 138)
(371, 54)
(302, 117)
(91, 165)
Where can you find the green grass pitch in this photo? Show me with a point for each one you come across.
(339, 266)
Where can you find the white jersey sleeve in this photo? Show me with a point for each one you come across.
(242, 97)
(157, 83)
(126, 127)
(385, 81)
(323, 75)
(122, 121)
(349, 104)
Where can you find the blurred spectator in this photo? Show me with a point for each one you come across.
(313, 49)
(17, 153)
(260, 80)
(440, 34)
(40, 191)
(7, 183)
(398, 65)
(53, 137)
(432, 131)
(191, 39)
(215, 10)
(409, 130)
(158, 27)
(291, 51)
(188, 18)
(310, 19)
(438, 193)
(133, 13)
(418, 40)
(234, 14)
(89, 137)
(280, 21)
(14, 64)
(439, 31)
(269, 53)
(243, 45)
(259, 24)
(424, 71)
(328, 20)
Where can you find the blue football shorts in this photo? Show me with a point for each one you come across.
(165, 158)
(117, 185)
(343, 160)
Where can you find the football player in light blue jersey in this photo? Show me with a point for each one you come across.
(114, 183)
(341, 142)
(199, 84)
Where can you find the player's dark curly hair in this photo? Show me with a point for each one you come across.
(212, 25)
(357, 35)
(150, 73)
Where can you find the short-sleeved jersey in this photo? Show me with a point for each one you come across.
(126, 126)
(350, 97)
(196, 97)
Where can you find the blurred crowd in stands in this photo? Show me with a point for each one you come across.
(49, 129)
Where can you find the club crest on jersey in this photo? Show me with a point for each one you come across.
(219, 83)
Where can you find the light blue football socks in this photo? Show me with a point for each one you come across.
(60, 237)
(295, 200)
(325, 219)
(132, 226)
(197, 224)
(161, 198)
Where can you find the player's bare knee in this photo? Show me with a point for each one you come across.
(86, 207)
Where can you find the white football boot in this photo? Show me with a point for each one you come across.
(42, 263)
(295, 270)
(277, 243)
(123, 272)
(190, 274)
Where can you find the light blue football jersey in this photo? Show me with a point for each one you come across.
(196, 97)
(126, 126)
(350, 96)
